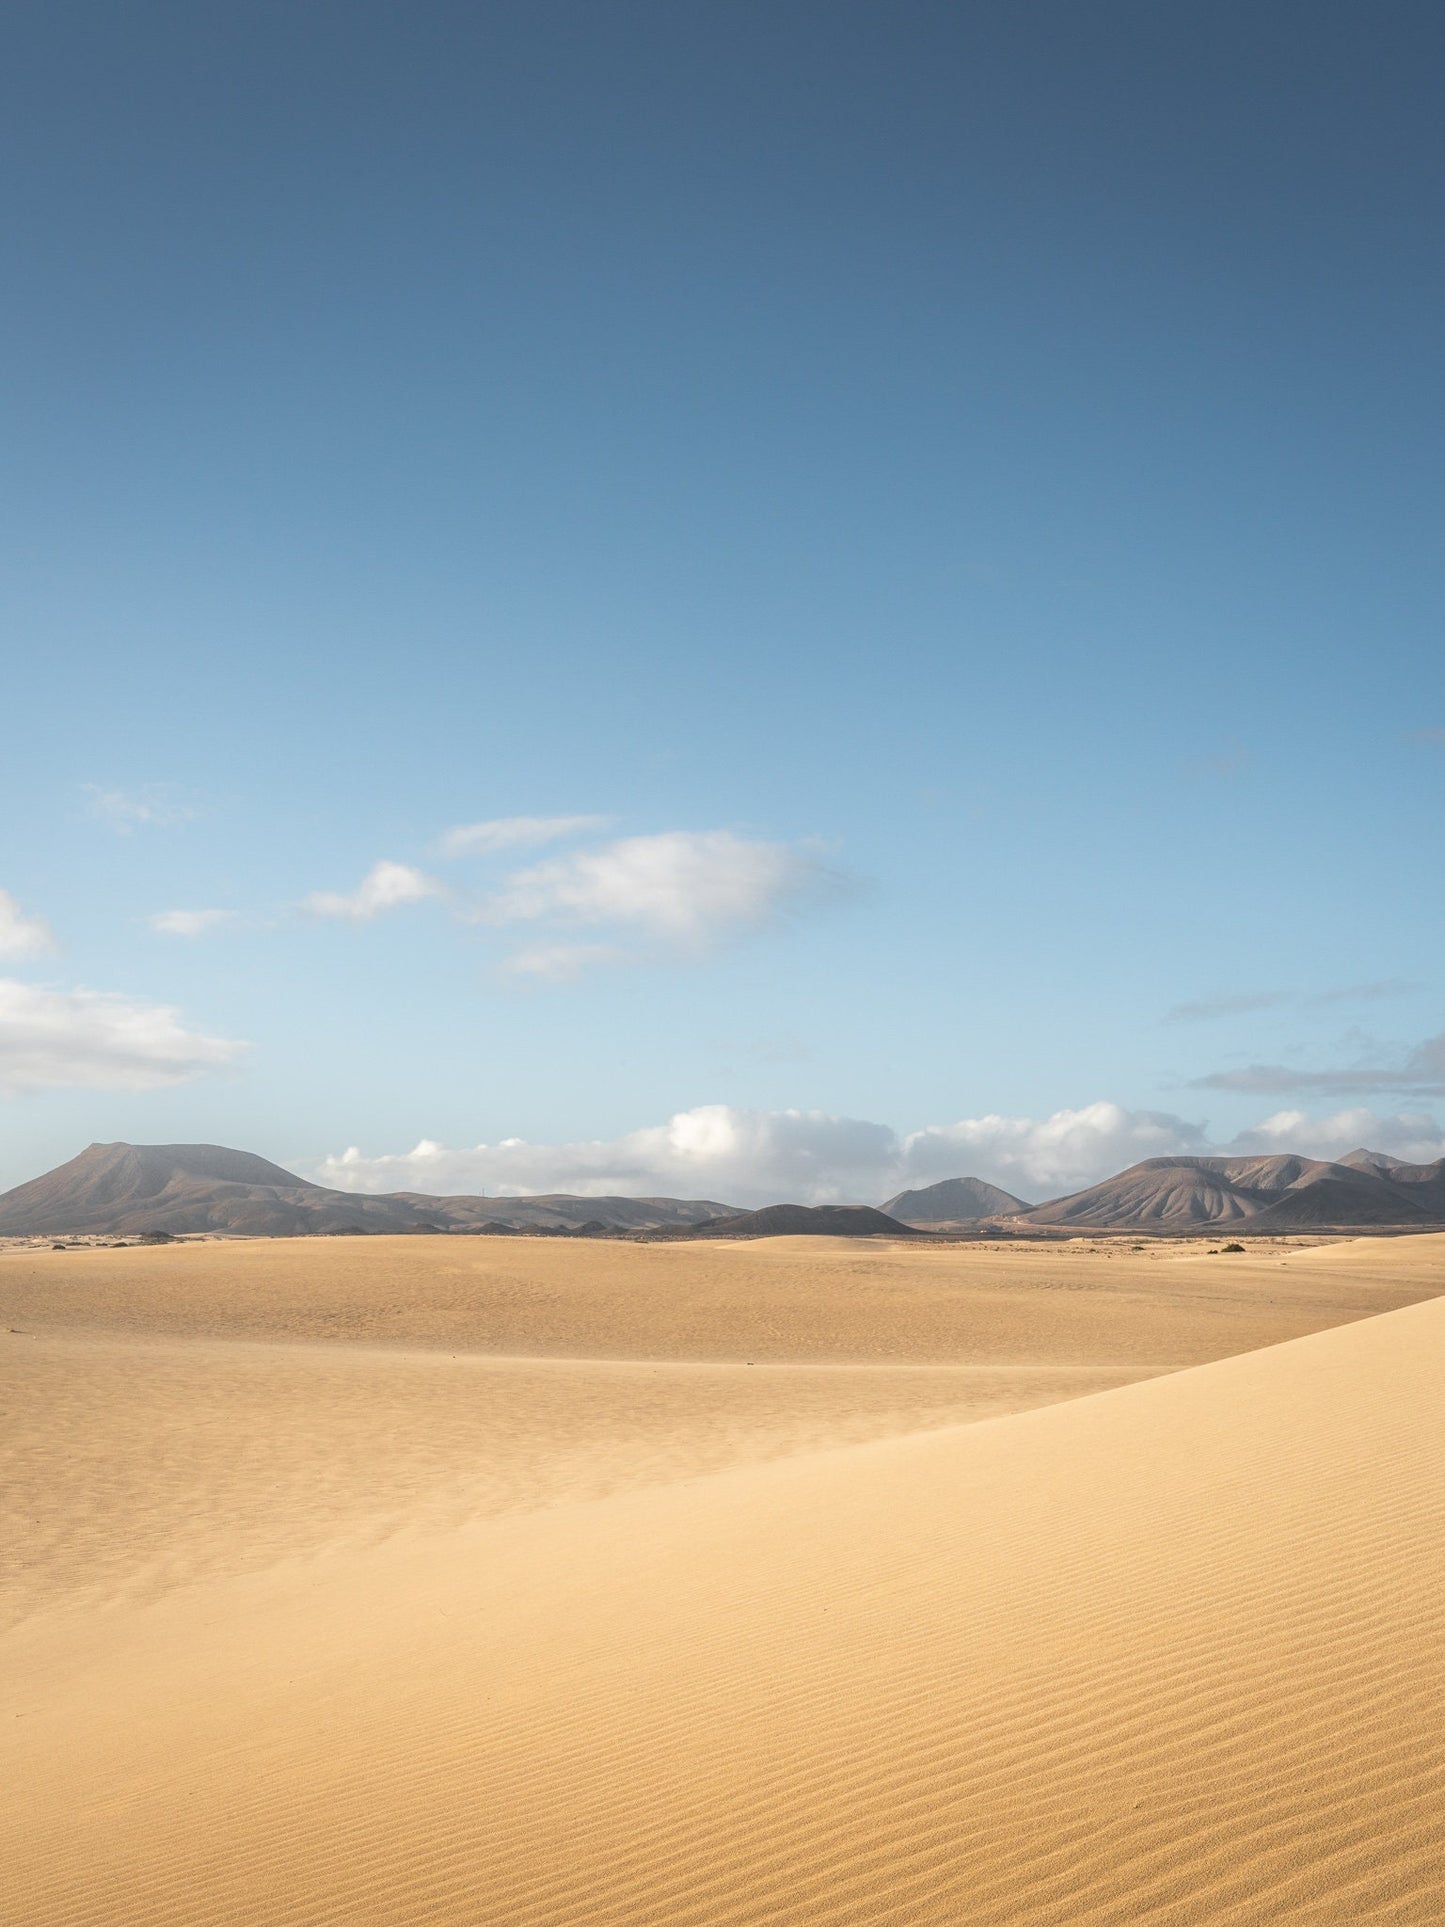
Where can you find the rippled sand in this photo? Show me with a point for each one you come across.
(437, 1580)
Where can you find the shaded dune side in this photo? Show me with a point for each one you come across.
(1168, 1654)
(128, 1468)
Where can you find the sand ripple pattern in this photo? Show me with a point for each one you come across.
(1169, 1654)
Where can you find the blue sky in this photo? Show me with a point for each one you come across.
(929, 515)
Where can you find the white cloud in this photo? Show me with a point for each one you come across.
(1412, 1135)
(90, 1040)
(714, 1151)
(515, 833)
(1063, 1152)
(683, 890)
(22, 936)
(561, 963)
(748, 1157)
(189, 923)
(684, 886)
(386, 886)
(156, 806)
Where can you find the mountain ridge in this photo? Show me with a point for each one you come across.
(806, 1221)
(1271, 1192)
(119, 1189)
(124, 1189)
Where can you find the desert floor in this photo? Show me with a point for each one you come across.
(543, 1581)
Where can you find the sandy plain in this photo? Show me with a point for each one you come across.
(446, 1580)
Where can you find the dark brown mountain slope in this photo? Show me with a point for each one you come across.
(953, 1201)
(115, 1190)
(1268, 1193)
(806, 1221)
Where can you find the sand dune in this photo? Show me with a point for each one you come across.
(1169, 1652)
(133, 1467)
(823, 1299)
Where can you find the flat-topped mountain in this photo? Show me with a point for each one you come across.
(1277, 1193)
(115, 1190)
(107, 1181)
(953, 1201)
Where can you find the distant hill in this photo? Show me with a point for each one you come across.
(954, 1201)
(1377, 1161)
(806, 1221)
(1365, 1190)
(117, 1190)
(122, 1190)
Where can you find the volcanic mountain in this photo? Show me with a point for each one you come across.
(954, 1201)
(805, 1221)
(114, 1190)
(1278, 1193)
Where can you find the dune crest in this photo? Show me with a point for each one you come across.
(1169, 1653)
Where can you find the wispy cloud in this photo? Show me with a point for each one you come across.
(386, 886)
(675, 893)
(1417, 1072)
(22, 936)
(189, 923)
(684, 887)
(516, 833)
(560, 963)
(1362, 993)
(89, 1040)
(156, 806)
(1239, 1003)
(1228, 1004)
(1436, 736)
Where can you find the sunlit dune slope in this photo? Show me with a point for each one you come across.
(1170, 1653)
(146, 1445)
(129, 1467)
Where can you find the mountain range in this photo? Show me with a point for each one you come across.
(1278, 1193)
(117, 1190)
(121, 1190)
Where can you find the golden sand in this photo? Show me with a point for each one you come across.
(489, 1581)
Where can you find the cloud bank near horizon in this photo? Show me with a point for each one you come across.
(752, 1157)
